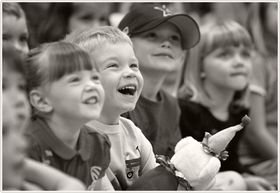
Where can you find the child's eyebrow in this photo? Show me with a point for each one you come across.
(110, 58)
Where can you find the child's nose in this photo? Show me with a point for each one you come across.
(166, 43)
(129, 73)
(238, 61)
(91, 85)
(17, 45)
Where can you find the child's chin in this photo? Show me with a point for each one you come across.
(91, 117)
(129, 108)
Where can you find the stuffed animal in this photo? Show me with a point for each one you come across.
(194, 164)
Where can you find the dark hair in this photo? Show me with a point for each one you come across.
(49, 62)
(55, 25)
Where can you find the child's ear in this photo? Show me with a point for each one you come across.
(184, 57)
(40, 102)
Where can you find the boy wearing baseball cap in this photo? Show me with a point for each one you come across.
(160, 41)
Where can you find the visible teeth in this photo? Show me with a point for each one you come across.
(91, 100)
(129, 87)
(128, 90)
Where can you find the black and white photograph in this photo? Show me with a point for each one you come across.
(139, 96)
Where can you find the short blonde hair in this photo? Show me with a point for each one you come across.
(90, 39)
(214, 34)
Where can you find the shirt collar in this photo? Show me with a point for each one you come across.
(59, 147)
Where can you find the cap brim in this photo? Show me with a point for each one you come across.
(187, 26)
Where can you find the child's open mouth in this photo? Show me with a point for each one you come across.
(91, 100)
(128, 90)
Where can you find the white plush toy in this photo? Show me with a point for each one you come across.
(197, 167)
(199, 162)
(194, 164)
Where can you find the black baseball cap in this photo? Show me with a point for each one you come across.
(145, 17)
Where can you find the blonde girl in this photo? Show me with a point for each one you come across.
(213, 96)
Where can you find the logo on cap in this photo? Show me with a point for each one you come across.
(126, 30)
(165, 10)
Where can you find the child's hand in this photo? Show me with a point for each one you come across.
(257, 183)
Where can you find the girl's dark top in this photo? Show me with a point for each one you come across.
(197, 119)
(88, 162)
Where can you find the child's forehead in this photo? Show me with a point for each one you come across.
(107, 45)
(228, 47)
(167, 26)
(113, 51)
(7, 16)
(12, 22)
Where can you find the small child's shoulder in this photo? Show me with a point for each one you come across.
(95, 135)
(127, 122)
(129, 126)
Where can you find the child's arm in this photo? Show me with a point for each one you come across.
(104, 184)
(257, 183)
(49, 178)
(256, 134)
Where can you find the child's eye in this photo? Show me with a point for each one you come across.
(112, 65)
(95, 77)
(134, 65)
(175, 38)
(24, 38)
(224, 54)
(74, 79)
(246, 54)
(87, 17)
(151, 35)
(103, 18)
(5, 37)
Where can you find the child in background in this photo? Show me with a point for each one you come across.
(14, 85)
(63, 18)
(160, 40)
(14, 26)
(19, 172)
(213, 96)
(65, 93)
(260, 143)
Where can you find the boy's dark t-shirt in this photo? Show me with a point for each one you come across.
(159, 122)
(88, 163)
(196, 119)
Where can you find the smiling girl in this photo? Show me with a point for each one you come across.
(65, 93)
